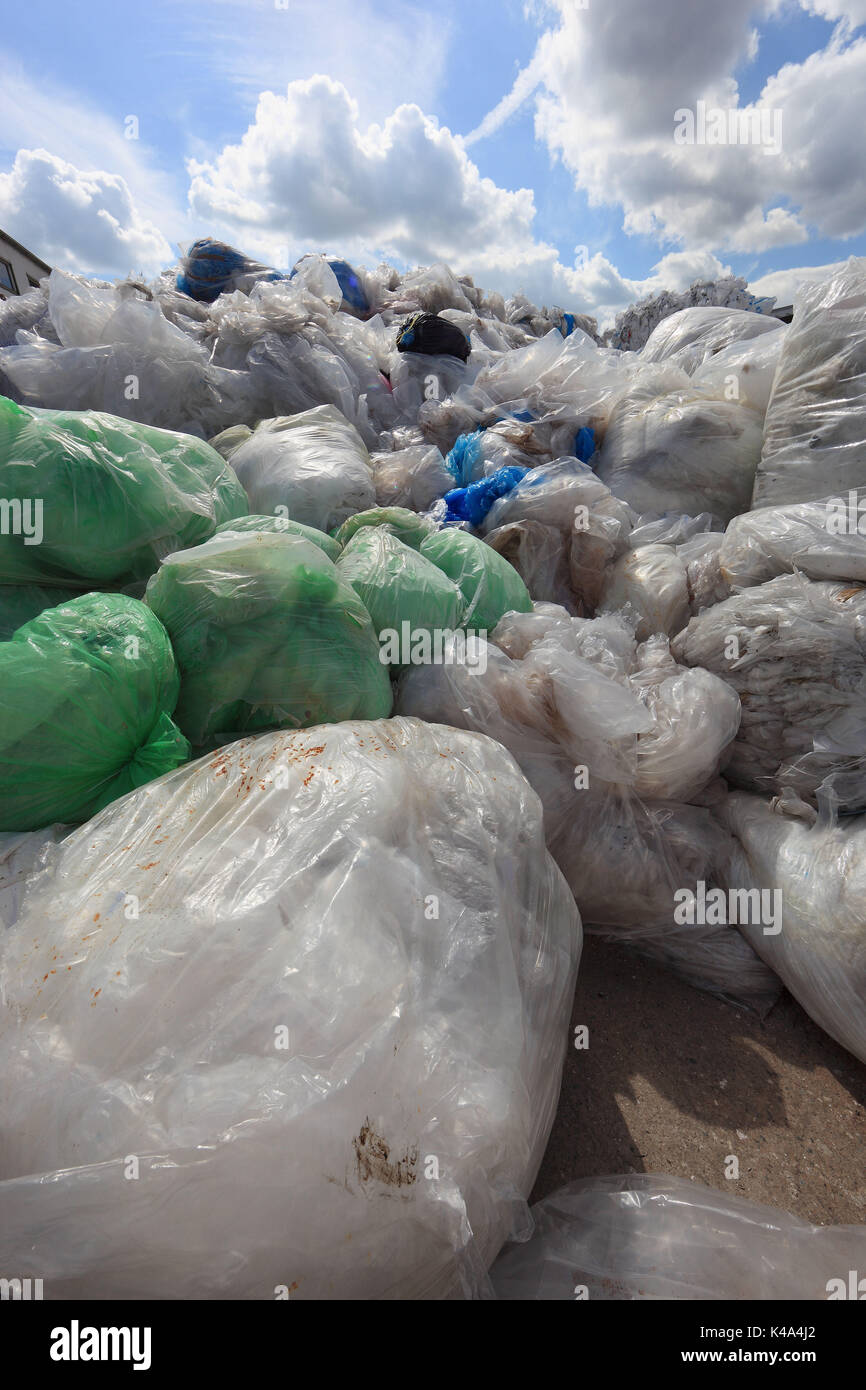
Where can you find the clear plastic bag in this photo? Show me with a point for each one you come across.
(681, 451)
(821, 539)
(819, 874)
(814, 436)
(692, 337)
(649, 1236)
(315, 464)
(556, 692)
(331, 1037)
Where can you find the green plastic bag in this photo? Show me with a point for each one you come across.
(490, 586)
(408, 526)
(95, 501)
(282, 525)
(21, 602)
(86, 695)
(267, 635)
(397, 585)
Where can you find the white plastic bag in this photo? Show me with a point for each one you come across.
(314, 463)
(819, 874)
(693, 336)
(815, 430)
(681, 451)
(823, 540)
(318, 984)
(649, 1236)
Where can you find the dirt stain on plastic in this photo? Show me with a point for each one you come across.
(374, 1163)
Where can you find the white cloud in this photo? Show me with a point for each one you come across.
(77, 219)
(608, 82)
(783, 284)
(35, 115)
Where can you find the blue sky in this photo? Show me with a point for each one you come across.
(382, 157)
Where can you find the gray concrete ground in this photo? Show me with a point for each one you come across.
(675, 1080)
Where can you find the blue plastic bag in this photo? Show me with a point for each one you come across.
(463, 457)
(210, 268)
(472, 503)
(584, 443)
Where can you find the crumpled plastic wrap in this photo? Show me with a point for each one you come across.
(267, 634)
(314, 464)
(663, 584)
(593, 524)
(22, 855)
(795, 652)
(651, 1236)
(815, 538)
(815, 429)
(819, 872)
(110, 497)
(87, 691)
(558, 693)
(318, 990)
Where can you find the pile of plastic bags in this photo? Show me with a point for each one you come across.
(374, 632)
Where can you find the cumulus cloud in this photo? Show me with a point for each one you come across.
(608, 85)
(77, 219)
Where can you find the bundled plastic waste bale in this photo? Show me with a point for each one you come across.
(352, 952)
(693, 336)
(817, 875)
(635, 324)
(556, 692)
(823, 540)
(399, 587)
(267, 635)
(280, 525)
(406, 525)
(97, 500)
(314, 464)
(815, 429)
(795, 652)
(652, 1236)
(744, 371)
(652, 580)
(87, 691)
(680, 450)
(413, 477)
(432, 336)
(211, 268)
(21, 602)
(490, 587)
